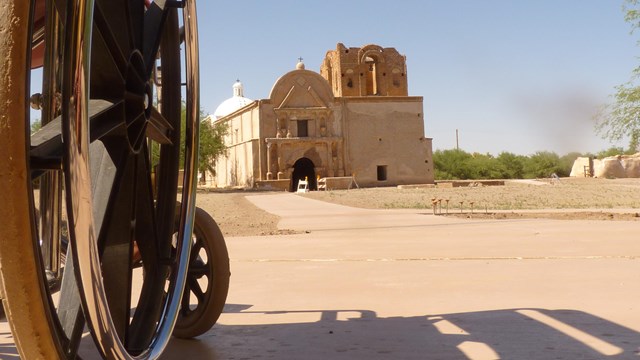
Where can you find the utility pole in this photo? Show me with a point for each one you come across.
(457, 142)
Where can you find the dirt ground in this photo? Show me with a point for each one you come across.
(567, 199)
(237, 216)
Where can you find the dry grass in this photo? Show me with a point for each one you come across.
(236, 216)
(568, 193)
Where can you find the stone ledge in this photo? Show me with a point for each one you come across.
(277, 185)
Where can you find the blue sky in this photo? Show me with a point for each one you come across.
(519, 76)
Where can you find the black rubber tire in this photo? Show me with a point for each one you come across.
(196, 321)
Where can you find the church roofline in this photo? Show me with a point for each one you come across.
(253, 103)
(379, 99)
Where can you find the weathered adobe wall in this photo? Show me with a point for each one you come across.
(620, 166)
(349, 71)
(578, 168)
(240, 165)
(387, 133)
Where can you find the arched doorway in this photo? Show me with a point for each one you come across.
(301, 169)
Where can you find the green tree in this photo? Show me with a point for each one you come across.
(35, 126)
(634, 143)
(461, 165)
(451, 164)
(612, 151)
(211, 138)
(484, 166)
(211, 145)
(621, 118)
(542, 164)
(512, 165)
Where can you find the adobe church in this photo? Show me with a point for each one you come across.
(353, 120)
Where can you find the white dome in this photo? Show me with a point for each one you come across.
(234, 103)
(230, 105)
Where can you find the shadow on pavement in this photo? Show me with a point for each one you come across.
(7, 347)
(526, 333)
(361, 334)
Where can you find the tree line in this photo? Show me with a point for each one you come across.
(458, 164)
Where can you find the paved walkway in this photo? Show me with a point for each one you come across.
(380, 284)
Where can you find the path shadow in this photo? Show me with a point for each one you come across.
(8, 349)
(525, 333)
(362, 334)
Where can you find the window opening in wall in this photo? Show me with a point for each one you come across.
(382, 172)
(372, 77)
(303, 128)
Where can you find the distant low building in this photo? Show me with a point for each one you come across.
(619, 166)
(353, 119)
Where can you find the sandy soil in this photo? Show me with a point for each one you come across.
(237, 216)
(568, 199)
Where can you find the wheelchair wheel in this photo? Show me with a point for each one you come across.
(96, 140)
(207, 280)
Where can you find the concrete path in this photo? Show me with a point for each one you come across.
(377, 284)
(380, 284)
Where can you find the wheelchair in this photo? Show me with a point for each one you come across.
(92, 237)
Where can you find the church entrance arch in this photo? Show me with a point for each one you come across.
(303, 168)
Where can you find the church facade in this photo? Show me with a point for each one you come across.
(353, 119)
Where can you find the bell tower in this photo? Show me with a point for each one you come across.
(367, 71)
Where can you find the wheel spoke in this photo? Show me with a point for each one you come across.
(155, 252)
(106, 118)
(115, 42)
(167, 179)
(113, 204)
(146, 234)
(154, 19)
(46, 148)
(135, 22)
(195, 249)
(115, 15)
(194, 286)
(46, 144)
(70, 311)
(185, 304)
(159, 128)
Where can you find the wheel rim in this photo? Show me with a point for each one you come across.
(97, 254)
(102, 232)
